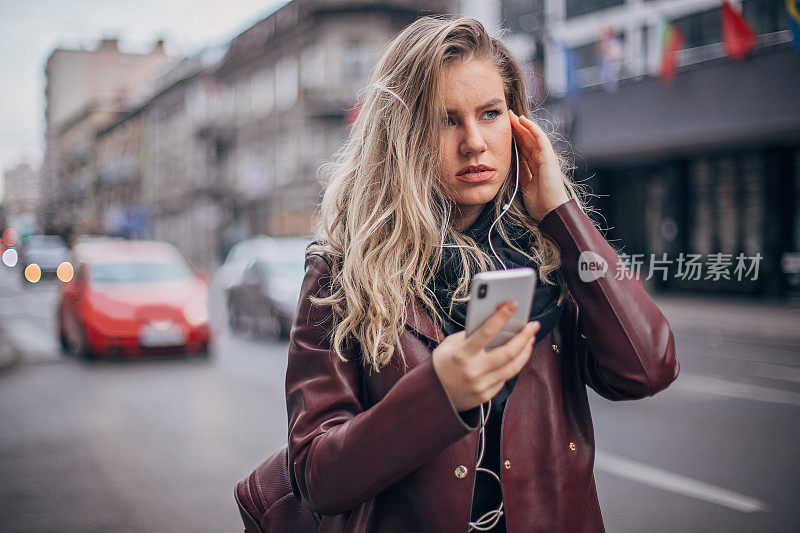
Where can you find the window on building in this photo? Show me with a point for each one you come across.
(251, 171)
(286, 161)
(576, 8)
(753, 201)
(700, 29)
(646, 49)
(312, 67)
(267, 151)
(587, 55)
(356, 62)
(286, 83)
(228, 100)
(655, 200)
(314, 151)
(765, 16)
(727, 219)
(702, 231)
(262, 91)
(242, 97)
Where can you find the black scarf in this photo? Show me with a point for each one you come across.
(545, 308)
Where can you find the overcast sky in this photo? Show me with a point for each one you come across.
(31, 29)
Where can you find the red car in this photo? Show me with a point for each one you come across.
(133, 299)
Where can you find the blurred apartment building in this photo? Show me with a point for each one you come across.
(225, 144)
(291, 81)
(21, 191)
(155, 170)
(709, 163)
(85, 91)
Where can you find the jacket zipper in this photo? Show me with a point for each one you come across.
(500, 463)
(474, 481)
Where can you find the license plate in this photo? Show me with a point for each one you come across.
(162, 334)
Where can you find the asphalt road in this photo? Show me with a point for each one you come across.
(158, 445)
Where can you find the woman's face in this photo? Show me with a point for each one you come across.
(475, 149)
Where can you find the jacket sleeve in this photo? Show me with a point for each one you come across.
(342, 452)
(625, 347)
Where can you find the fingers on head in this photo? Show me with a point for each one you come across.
(534, 128)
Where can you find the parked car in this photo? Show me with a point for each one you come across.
(240, 255)
(264, 298)
(133, 299)
(46, 253)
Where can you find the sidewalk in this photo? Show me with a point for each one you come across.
(733, 316)
(9, 354)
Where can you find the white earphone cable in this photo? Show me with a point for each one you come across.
(490, 519)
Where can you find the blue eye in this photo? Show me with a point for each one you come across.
(494, 113)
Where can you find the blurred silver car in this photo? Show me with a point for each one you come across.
(263, 299)
(46, 253)
(242, 254)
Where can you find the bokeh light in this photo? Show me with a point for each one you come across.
(65, 272)
(10, 257)
(33, 273)
(10, 237)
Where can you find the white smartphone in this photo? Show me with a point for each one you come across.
(496, 286)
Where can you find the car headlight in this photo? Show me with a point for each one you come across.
(196, 311)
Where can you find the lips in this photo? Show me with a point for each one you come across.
(475, 173)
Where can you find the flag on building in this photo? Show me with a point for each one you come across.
(793, 14)
(738, 37)
(609, 55)
(671, 44)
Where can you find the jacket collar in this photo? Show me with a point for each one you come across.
(418, 319)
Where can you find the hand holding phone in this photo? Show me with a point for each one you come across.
(470, 372)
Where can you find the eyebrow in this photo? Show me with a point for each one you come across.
(490, 103)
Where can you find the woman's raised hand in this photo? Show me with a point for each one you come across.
(540, 175)
(472, 375)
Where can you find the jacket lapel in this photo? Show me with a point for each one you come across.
(420, 321)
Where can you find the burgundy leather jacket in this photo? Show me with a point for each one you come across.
(387, 451)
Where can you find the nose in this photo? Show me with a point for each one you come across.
(472, 141)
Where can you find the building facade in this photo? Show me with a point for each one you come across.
(180, 188)
(291, 80)
(706, 167)
(21, 186)
(118, 177)
(81, 88)
(70, 206)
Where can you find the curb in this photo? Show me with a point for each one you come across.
(741, 319)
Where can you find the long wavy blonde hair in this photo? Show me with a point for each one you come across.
(384, 213)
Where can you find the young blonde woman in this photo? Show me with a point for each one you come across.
(397, 421)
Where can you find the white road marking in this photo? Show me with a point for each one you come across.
(732, 389)
(782, 372)
(669, 481)
(32, 340)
